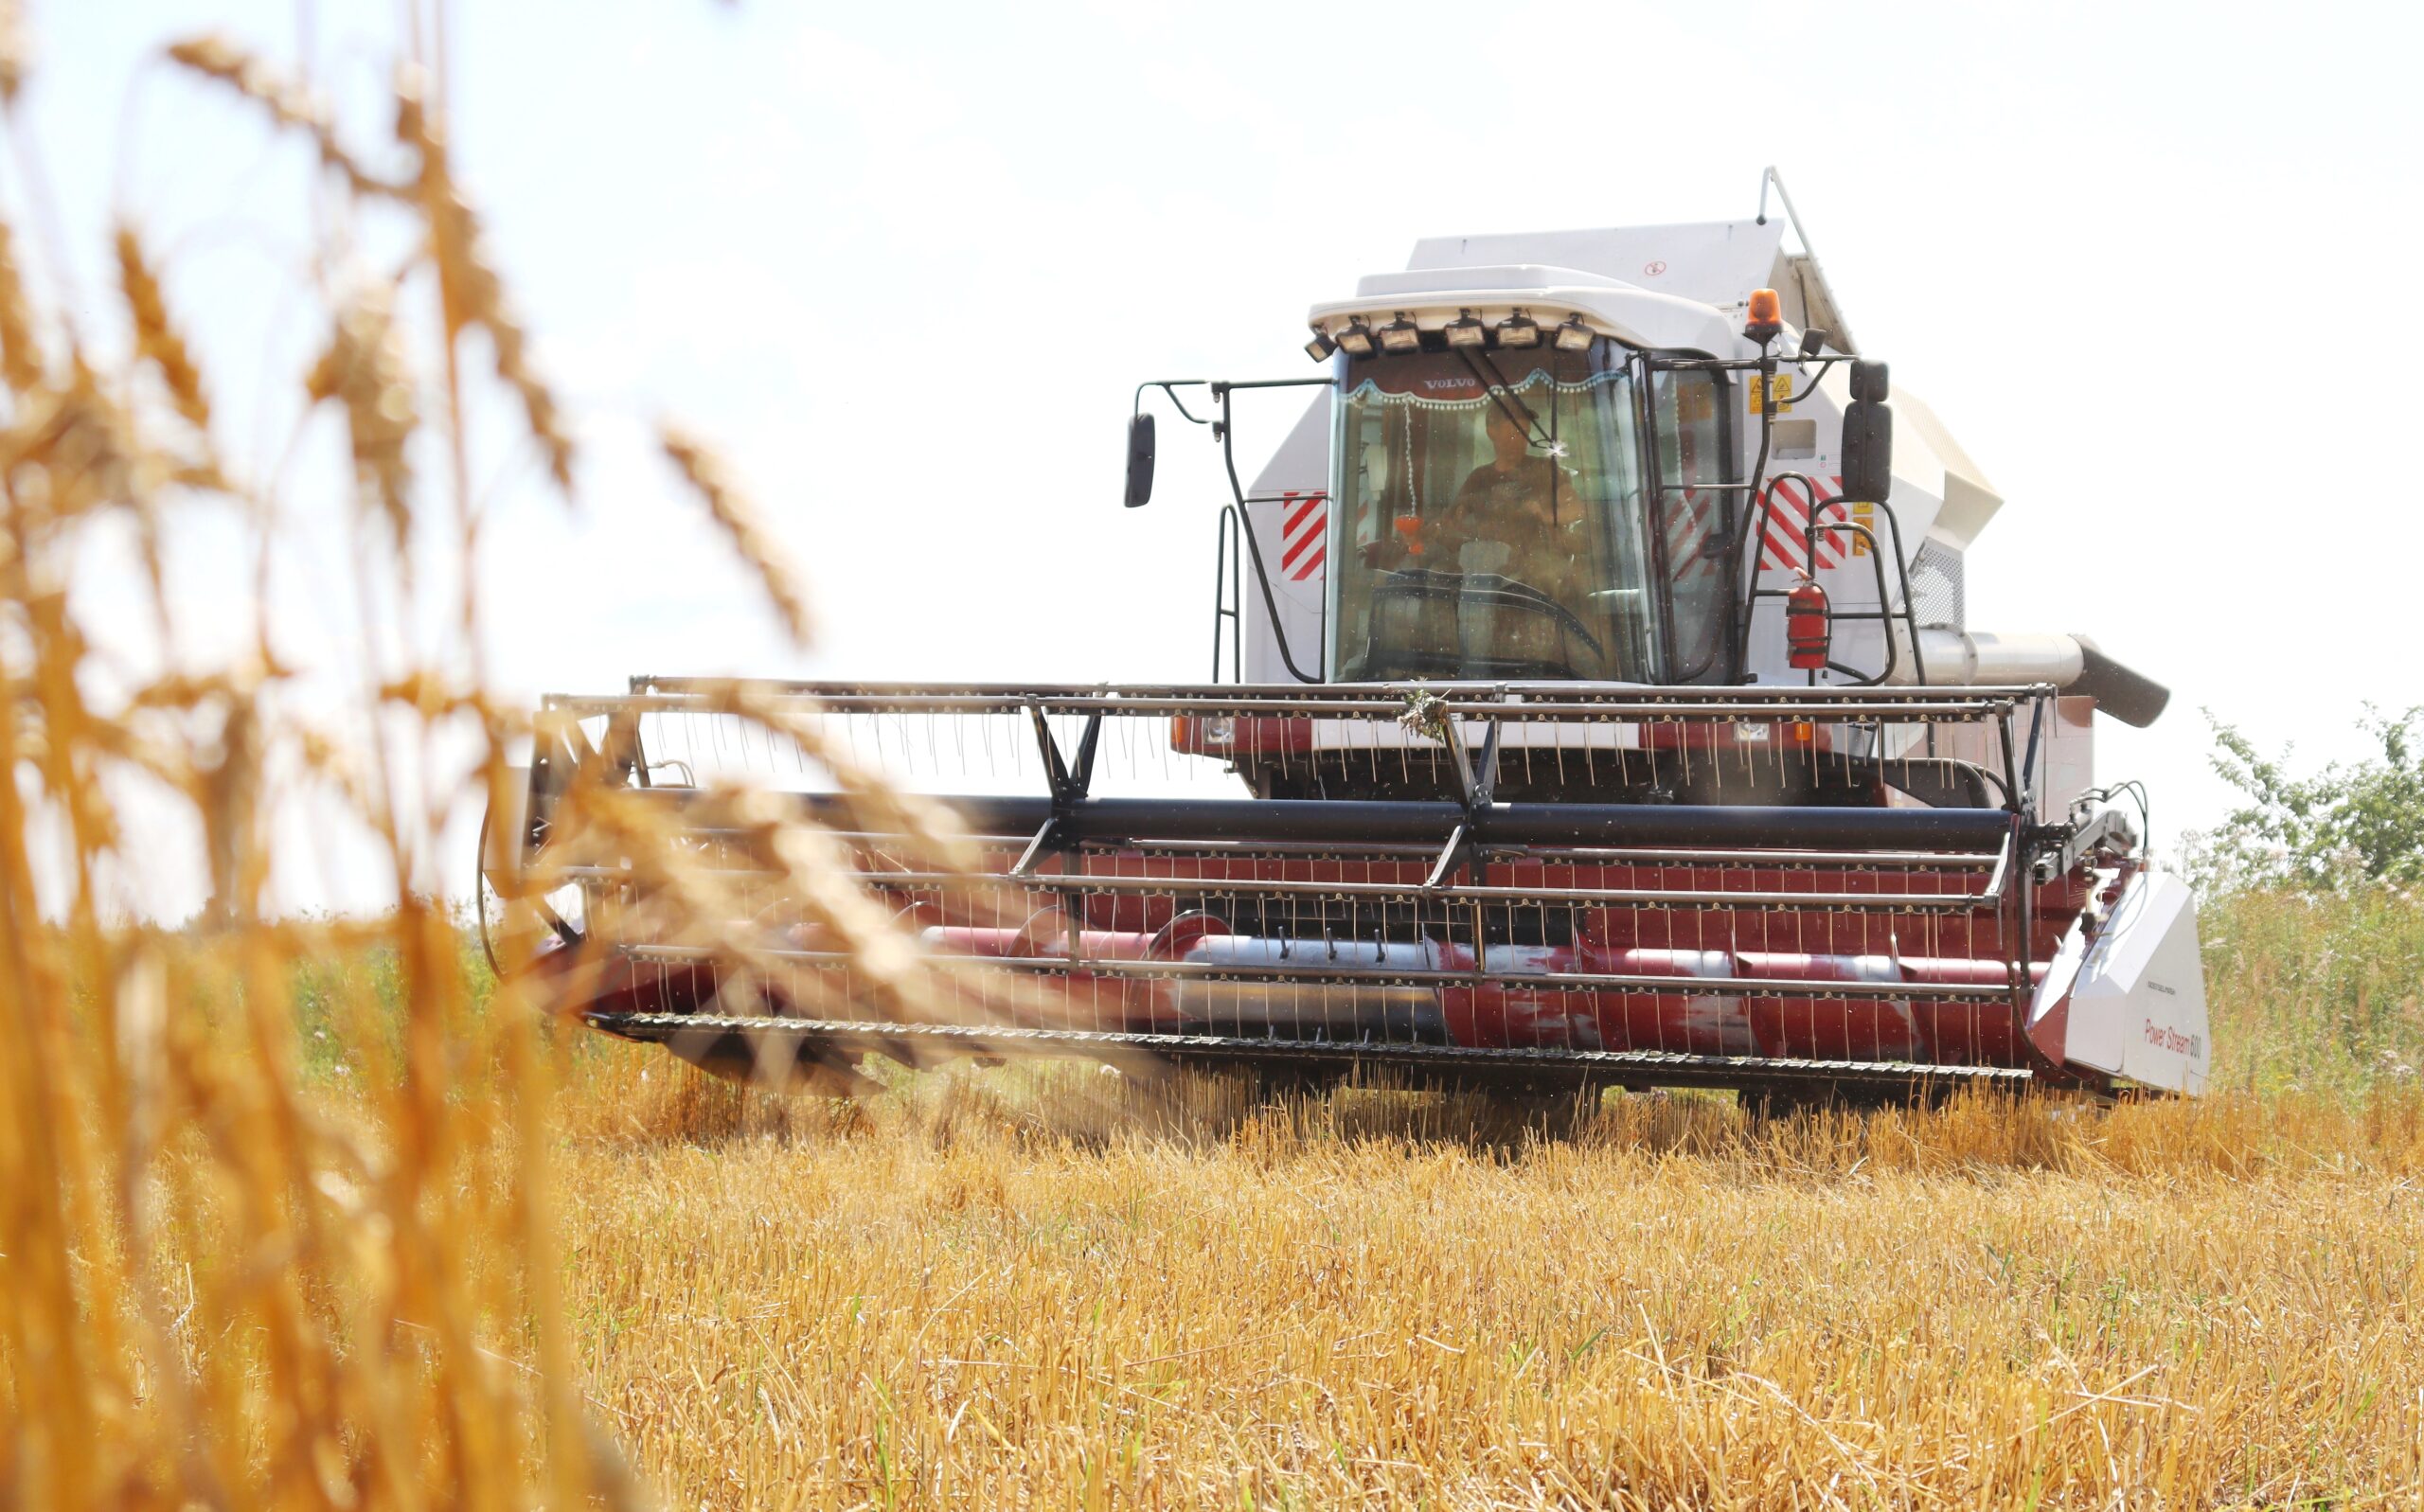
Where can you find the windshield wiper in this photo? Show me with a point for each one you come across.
(1502, 394)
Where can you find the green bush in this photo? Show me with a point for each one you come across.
(2342, 827)
(2313, 917)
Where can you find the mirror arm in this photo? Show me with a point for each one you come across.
(1170, 386)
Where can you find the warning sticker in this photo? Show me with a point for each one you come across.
(1784, 393)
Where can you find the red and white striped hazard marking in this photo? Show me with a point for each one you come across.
(1783, 547)
(1303, 548)
(1690, 519)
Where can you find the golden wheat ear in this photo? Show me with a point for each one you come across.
(365, 368)
(741, 521)
(14, 48)
(289, 104)
(470, 290)
(155, 338)
(21, 354)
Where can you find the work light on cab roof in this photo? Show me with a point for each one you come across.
(1519, 330)
(1602, 709)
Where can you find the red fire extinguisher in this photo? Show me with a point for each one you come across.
(1806, 627)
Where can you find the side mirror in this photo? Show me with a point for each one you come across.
(1868, 436)
(1140, 459)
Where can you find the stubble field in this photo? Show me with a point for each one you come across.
(999, 1289)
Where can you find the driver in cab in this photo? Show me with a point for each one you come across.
(1518, 515)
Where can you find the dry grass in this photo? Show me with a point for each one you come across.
(978, 1289)
(2316, 992)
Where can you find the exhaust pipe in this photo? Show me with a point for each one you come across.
(2129, 695)
(2072, 663)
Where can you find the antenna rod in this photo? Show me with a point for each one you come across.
(1784, 195)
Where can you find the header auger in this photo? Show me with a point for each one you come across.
(1606, 714)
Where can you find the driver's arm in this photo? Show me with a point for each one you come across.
(1469, 518)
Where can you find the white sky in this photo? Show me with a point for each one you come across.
(906, 263)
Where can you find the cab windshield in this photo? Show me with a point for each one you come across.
(1493, 524)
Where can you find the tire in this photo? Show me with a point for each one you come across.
(1770, 1102)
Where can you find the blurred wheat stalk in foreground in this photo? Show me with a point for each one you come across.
(221, 1287)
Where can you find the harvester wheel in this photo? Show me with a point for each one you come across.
(1552, 1108)
(777, 1071)
(1766, 1104)
(1205, 1099)
(1777, 1100)
(1267, 1084)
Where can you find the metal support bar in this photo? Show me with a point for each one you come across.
(1069, 786)
(1477, 780)
(2028, 763)
(1229, 594)
(1993, 896)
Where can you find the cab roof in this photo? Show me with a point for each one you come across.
(1709, 263)
(1716, 262)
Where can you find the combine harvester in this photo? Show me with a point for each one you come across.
(1597, 661)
